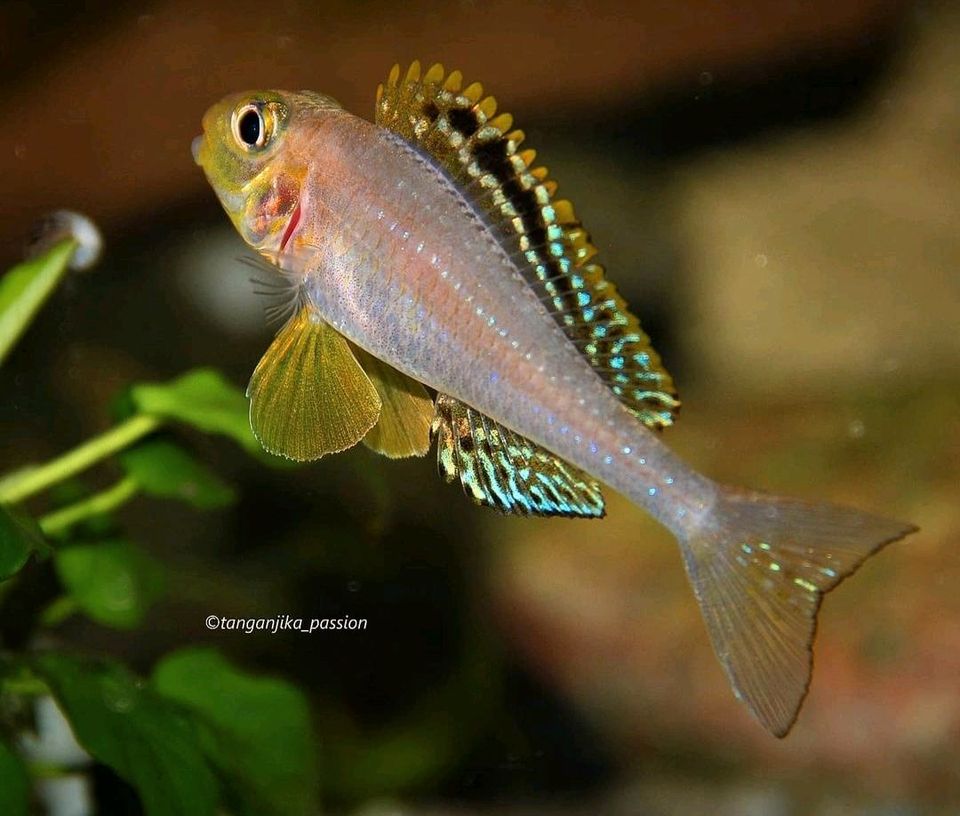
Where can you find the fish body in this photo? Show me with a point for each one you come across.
(413, 275)
(426, 247)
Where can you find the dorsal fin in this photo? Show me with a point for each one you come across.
(461, 130)
(501, 469)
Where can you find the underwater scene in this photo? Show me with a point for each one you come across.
(480, 409)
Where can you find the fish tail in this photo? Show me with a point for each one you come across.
(759, 566)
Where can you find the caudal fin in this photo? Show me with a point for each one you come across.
(759, 567)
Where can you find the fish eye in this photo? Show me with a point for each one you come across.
(249, 128)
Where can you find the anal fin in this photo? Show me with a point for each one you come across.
(308, 395)
(503, 470)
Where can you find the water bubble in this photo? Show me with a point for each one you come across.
(760, 260)
(856, 429)
(56, 226)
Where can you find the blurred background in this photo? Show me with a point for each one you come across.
(774, 186)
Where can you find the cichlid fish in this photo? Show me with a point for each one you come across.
(428, 248)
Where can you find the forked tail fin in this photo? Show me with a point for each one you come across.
(759, 567)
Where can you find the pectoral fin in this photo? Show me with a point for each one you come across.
(406, 412)
(501, 469)
(308, 395)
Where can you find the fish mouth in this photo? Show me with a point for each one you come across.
(195, 146)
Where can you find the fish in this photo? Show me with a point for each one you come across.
(428, 249)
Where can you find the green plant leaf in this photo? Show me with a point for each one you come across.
(24, 289)
(147, 739)
(201, 398)
(113, 582)
(14, 784)
(161, 468)
(256, 730)
(19, 536)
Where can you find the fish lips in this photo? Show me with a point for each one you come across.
(195, 147)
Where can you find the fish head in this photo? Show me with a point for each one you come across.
(253, 151)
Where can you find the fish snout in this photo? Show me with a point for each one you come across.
(195, 147)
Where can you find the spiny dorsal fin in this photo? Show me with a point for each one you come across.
(308, 395)
(406, 412)
(501, 469)
(461, 130)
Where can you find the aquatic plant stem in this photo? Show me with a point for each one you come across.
(59, 521)
(20, 487)
(58, 610)
(24, 685)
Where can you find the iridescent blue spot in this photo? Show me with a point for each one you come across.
(608, 459)
(643, 460)
(589, 313)
(617, 362)
(594, 448)
(583, 298)
(652, 491)
(627, 450)
(494, 377)
(669, 480)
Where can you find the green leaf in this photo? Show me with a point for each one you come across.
(113, 582)
(14, 784)
(163, 469)
(24, 289)
(256, 730)
(201, 398)
(19, 536)
(147, 739)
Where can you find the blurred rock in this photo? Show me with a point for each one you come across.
(833, 254)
